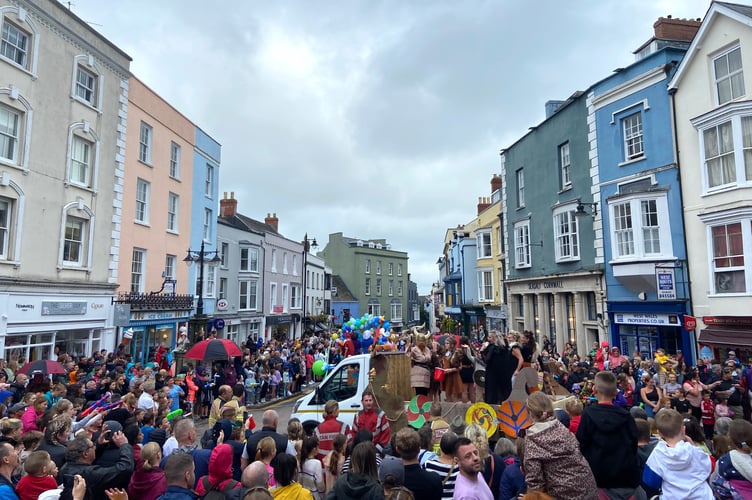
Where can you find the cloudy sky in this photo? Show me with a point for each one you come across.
(379, 119)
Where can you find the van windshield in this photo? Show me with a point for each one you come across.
(342, 385)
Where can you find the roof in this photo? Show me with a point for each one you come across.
(244, 223)
(343, 293)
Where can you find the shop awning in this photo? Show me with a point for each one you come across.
(725, 335)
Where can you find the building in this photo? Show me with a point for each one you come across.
(344, 304)
(63, 108)
(373, 272)
(554, 267)
(713, 113)
(412, 318)
(646, 273)
(461, 281)
(490, 258)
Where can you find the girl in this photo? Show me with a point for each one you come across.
(452, 362)
(721, 408)
(266, 451)
(333, 461)
(311, 473)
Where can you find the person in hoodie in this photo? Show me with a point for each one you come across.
(285, 475)
(220, 470)
(148, 481)
(736, 465)
(608, 440)
(676, 465)
(361, 481)
(552, 460)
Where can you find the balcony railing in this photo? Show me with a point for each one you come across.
(157, 301)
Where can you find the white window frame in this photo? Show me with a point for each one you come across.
(284, 263)
(395, 308)
(171, 262)
(138, 270)
(209, 182)
(368, 266)
(210, 286)
(143, 191)
(733, 115)
(274, 260)
(208, 214)
(11, 133)
(173, 210)
(378, 287)
(566, 234)
(224, 254)
(520, 174)
(637, 231)
(79, 211)
(175, 160)
(19, 18)
(522, 244)
(81, 158)
(399, 269)
(399, 288)
(485, 285)
(222, 290)
(378, 267)
(729, 272)
(145, 143)
(83, 133)
(565, 165)
(374, 309)
(285, 297)
(391, 288)
(9, 42)
(731, 77)
(294, 264)
(248, 294)
(368, 286)
(390, 268)
(484, 244)
(633, 135)
(7, 210)
(296, 297)
(69, 241)
(272, 296)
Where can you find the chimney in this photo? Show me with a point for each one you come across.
(273, 221)
(483, 203)
(228, 206)
(668, 28)
(495, 183)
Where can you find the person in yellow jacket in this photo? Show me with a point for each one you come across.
(285, 473)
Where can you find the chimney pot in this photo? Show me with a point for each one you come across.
(228, 207)
(272, 221)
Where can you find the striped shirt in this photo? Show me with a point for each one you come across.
(443, 470)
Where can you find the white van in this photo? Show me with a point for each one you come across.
(345, 383)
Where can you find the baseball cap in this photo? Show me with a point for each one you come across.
(732, 353)
(17, 407)
(392, 466)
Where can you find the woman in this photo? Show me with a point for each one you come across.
(512, 480)
(55, 439)
(311, 473)
(528, 348)
(451, 362)
(32, 413)
(735, 467)
(285, 474)
(445, 466)
(467, 367)
(220, 471)
(437, 356)
(11, 429)
(362, 481)
(420, 372)
(693, 389)
(625, 389)
(650, 395)
(295, 433)
(552, 460)
(148, 481)
(65, 407)
(334, 461)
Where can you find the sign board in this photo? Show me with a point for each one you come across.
(690, 322)
(647, 319)
(665, 284)
(219, 323)
(50, 308)
(222, 305)
(122, 315)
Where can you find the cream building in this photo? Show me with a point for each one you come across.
(63, 108)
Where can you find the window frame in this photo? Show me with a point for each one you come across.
(69, 241)
(367, 287)
(6, 227)
(570, 238)
(630, 136)
(143, 193)
(729, 77)
(77, 163)
(481, 245)
(635, 203)
(175, 152)
(368, 266)
(145, 143)
(395, 309)
(378, 287)
(138, 267)
(520, 178)
(208, 215)
(173, 212)
(251, 258)
(14, 136)
(25, 51)
(483, 287)
(565, 166)
(209, 181)
(735, 115)
(745, 230)
(89, 87)
(522, 244)
(399, 269)
(171, 264)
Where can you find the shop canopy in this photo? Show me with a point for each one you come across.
(726, 335)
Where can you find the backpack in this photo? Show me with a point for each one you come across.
(215, 494)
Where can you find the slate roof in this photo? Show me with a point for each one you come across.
(343, 293)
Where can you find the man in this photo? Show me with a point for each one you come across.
(185, 434)
(256, 475)
(139, 378)
(18, 387)
(8, 465)
(224, 397)
(174, 392)
(732, 359)
(146, 399)
(469, 484)
(373, 420)
(180, 474)
(79, 459)
(424, 485)
(327, 430)
(731, 388)
(269, 423)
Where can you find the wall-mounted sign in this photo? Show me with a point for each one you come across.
(545, 284)
(728, 320)
(647, 319)
(219, 323)
(63, 308)
(690, 322)
(665, 284)
(222, 305)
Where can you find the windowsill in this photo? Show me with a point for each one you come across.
(14, 263)
(176, 179)
(633, 160)
(724, 295)
(12, 164)
(86, 103)
(527, 266)
(73, 267)
(567, 260)
(172, 231)
(725, 189)
(18, 66)
(565, 188)
(643, 258)
(80, 186)
(148, 164)
(520, 207)
(141, 223)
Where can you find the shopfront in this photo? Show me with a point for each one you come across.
(281, 326)
(722, 334)
(147, 331)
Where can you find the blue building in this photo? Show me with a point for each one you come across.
(461, 279)
(640, 198)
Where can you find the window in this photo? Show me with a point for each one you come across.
(396, 310)
(285, 297)
(399, 288)
(73, 247)
(273, 296)
(727, 149)
(633, 146)
(6, 207)
(390, 269)
(399, 269)
(374, 309)
(566, 240)
(368, 286)
(142, 201)
(520, 188)
(274, 260)
(222, 288)
(138, 264)
(368, 266)
(175, 161)
(81, 161)
(564, 165)
(86, 85)
(284, 263)
(295, 265)
(378, 267)
(207, 224)
(391, 288)
(591, 306)
(144, 143)
(522, 244)
(378, 287)
(485, 285)
(15, 44)
(210, 275)
(296, 298)
(728, 258)
(484, 244)
(729, 75)
(224, 254)
(10, 130)
(249, 295)
(169, 268)
(209, 186)
(172, 212)
(640, 227)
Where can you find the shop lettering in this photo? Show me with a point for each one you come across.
(24, 307)
(96, 306)
(154, 315)
(545, 284)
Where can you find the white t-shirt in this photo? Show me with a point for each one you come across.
(170, 445)
(146, 401)
(465, 489)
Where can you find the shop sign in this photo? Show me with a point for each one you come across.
(728, 320)
(122, 314)
(222, 305)
(219, 323)
(646, 319)
(665, 284)
(276, 320)
(690, 323)
(545, 284)
(63, 308)
(141, 315)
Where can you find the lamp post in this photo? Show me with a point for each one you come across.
(307, 245)
(198, 321)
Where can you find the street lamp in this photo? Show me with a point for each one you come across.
(201, 257)
(307, 245)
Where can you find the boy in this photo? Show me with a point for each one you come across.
(574, 409)
(40, 476)
(708, 415)
(608, 441)
(675, 464)
(680, 402)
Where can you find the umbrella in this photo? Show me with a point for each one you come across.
(441, 338)
(45, 366)
(213, 350)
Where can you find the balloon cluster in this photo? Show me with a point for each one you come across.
(373, 333)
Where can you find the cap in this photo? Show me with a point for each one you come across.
(604, 343)
(392, 466)
(576, 387)
(17, 407)
(732, 353)
(158, 436)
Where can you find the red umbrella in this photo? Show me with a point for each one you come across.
(46, 366)
(213, 350)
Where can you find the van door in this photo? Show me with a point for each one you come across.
(343, 386)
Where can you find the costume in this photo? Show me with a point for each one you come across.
(452, 381)
(420, 373)
(681, 471)
(375, 421)
(294, 491)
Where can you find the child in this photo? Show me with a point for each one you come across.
(250, 388)
(30, 440)
(664, 402)
(274, 380)
(721, 408)
(148, 425)
(708, 415)
(574, 409)
(680, 402)
(40, 476)
(675, 465)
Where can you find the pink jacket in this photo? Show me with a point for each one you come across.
(29, 420)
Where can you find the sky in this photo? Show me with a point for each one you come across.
(377, 119)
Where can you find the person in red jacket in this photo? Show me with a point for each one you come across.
(220, 471)
(349, 347)
(40, 476)
(374, 420)
(330, 428)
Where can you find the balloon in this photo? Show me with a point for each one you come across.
(318, 367)
(367, 334)
(334, 336)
